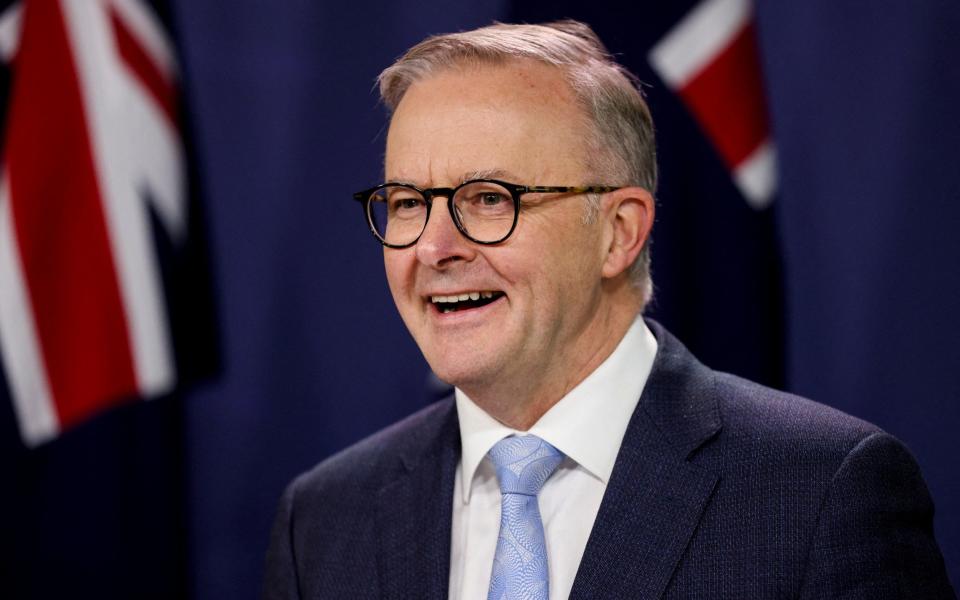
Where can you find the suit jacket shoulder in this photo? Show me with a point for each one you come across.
(725, 488)
(383, 455)
(331, 536)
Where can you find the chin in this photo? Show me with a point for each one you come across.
(455, 375)
(460, 369)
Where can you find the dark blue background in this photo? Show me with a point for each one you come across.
(846, 291)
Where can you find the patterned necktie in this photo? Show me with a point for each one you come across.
(520, 564)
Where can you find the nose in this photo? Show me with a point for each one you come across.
(441, 243)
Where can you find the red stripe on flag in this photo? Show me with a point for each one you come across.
(160, 87)
(728, 101)
(60, 225)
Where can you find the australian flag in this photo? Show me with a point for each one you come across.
(104, 287)
(94, 170)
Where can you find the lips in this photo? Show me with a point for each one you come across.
(464, 300)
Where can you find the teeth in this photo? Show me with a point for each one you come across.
(460, 297)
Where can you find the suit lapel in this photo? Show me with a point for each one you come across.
(414, 515)
(663, 479)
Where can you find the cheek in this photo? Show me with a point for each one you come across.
(397, 269)
(578, 265)
(555, 256)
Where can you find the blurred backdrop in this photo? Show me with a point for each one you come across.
(842, 285)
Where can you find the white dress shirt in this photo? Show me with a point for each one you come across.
(587, 425)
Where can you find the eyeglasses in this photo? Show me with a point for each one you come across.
(484, 210)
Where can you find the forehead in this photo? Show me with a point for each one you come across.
(519, 117)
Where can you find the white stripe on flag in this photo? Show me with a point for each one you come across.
(19, 345)
(155, 154)
(144, 26)
(695, 41)
(756, 176)
(128, 224)
(10, 31)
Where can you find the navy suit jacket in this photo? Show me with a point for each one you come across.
(722, 489)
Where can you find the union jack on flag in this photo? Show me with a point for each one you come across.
(93, 159)
(709, 58)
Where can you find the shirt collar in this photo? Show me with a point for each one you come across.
(587, 425)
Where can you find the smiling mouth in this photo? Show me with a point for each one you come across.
(465, 301)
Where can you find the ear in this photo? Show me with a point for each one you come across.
(629, 214)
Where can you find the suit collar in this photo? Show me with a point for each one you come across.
(414, 510)
(660, 484)
(679, 398)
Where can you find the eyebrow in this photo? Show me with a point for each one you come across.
(468, 176)
(402, 182)
(487, 174)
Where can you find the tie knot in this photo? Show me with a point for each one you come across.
(524, 463)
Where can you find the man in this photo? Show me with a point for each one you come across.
(586, 452)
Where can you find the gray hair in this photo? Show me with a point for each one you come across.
(622, 130)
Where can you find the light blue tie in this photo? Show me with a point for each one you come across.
(520, 564)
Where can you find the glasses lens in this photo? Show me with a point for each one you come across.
(398, 214)
(485, 210)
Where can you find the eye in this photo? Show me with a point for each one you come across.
(408, 202)
(405, 202)
(483, 200)
(492, 198)
(484, 194)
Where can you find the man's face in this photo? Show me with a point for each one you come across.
(518, 123)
